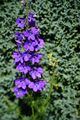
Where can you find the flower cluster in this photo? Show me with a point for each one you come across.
(27, 57)
(24, 84)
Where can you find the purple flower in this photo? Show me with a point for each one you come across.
(33, 74)
(20, 83)
(27, 81)
(20, 92)
(37, 86)
(36, 58)
(35, 30)
(29, 35)
(23, 68)
(21, 57)
(20, 67)
(31, 19)
(41, 84)
(35, 43)
(21, 22)
(40, 70)
(18, 57)
(31, 85)
(41, 43)
(26, 56)
(31, 46)
(19, 36)
(28, 46)
(36, 72)
(26, 33)
(26, 69)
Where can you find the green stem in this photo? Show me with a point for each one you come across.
(46, 103)
(33, 117)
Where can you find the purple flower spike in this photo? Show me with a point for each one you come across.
(27, 58)
(21, 22)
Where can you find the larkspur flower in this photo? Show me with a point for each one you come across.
(18, 57)
(36, 72)
(21, 22)
(31, 85)
(19, 36)
(35, 58)
(26, 56)
(23, 68)
(32, 33)
(26, 33)
(21, 56)
(35, 31)
(20, 83)
(31, 19)
(28, 46)
(38, 86)
(29, 35)
(27, 59)
(20, 92)
(27, 81)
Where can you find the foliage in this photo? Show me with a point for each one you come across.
(59, 21)
(8, 13)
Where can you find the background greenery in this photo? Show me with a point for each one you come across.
(59, 21)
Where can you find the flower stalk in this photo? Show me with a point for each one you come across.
(27, 57)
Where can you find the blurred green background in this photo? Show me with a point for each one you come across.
(59, 21)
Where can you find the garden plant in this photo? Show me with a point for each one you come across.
(39, 60)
